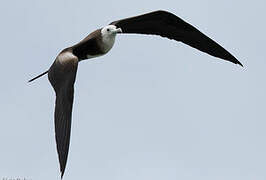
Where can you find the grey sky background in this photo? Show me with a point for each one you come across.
(150, 109)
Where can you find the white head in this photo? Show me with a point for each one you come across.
(108, 36)
(110, 30)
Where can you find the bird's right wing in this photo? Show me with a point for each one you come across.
(168, 25)
(62, 75)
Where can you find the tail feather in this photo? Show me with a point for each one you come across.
(38, 76)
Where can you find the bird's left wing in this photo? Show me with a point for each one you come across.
(62, 75)
(168, 25)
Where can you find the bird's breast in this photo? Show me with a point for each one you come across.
(107, 43)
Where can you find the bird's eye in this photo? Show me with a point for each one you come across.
(108, 30)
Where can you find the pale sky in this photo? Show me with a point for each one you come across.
(151, 109)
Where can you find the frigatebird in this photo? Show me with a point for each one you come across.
(62, 73)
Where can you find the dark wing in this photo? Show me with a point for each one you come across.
(62, 77)
(169, 25)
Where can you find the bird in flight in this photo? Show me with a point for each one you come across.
(62, 73)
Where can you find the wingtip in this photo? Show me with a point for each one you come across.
(62, 174)
(239, 63)
(234, 60)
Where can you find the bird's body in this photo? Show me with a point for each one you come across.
(89, 47)
(62, 73)
(95, 44)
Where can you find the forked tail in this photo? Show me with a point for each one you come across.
(38, 76)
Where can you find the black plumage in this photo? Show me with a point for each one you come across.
(62, 73)
(62, 78)
(170, 26)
